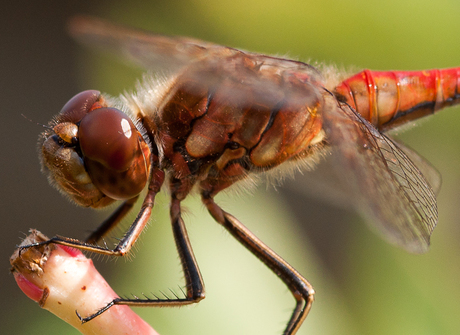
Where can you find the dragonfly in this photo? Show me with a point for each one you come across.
(206, 118)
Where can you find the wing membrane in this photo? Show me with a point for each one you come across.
(241, 78)
(389, 189)
(151, 51)
(431, 174)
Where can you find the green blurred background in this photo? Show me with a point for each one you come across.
(364, 286)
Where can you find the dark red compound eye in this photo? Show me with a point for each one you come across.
(77, 107)
(108, 136)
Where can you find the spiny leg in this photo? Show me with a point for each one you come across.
(112, 221)
(193, 280)
(301, 289)
(131, 235)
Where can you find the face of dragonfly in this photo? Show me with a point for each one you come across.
(94, 153)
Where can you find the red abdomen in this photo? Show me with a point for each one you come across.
(389, 99)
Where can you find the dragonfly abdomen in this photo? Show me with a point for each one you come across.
(391, 98)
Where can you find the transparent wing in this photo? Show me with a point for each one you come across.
(248, 77)
(151, 51)
(387, 187)
(431, 174)
(155, 51)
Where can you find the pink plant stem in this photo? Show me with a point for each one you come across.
(62, 280)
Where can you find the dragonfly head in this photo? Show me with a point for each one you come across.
(94, 153)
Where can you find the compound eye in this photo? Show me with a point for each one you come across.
(108, 136)
(77, 107)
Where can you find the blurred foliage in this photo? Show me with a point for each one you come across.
(382, 290)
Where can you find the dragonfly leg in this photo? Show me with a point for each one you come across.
(193, 280)
(301, 289)
(112, 221)
(131, 235)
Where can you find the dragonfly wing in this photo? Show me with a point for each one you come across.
(151, 51)
(431, 174)
(245, 77)
(389, 189)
